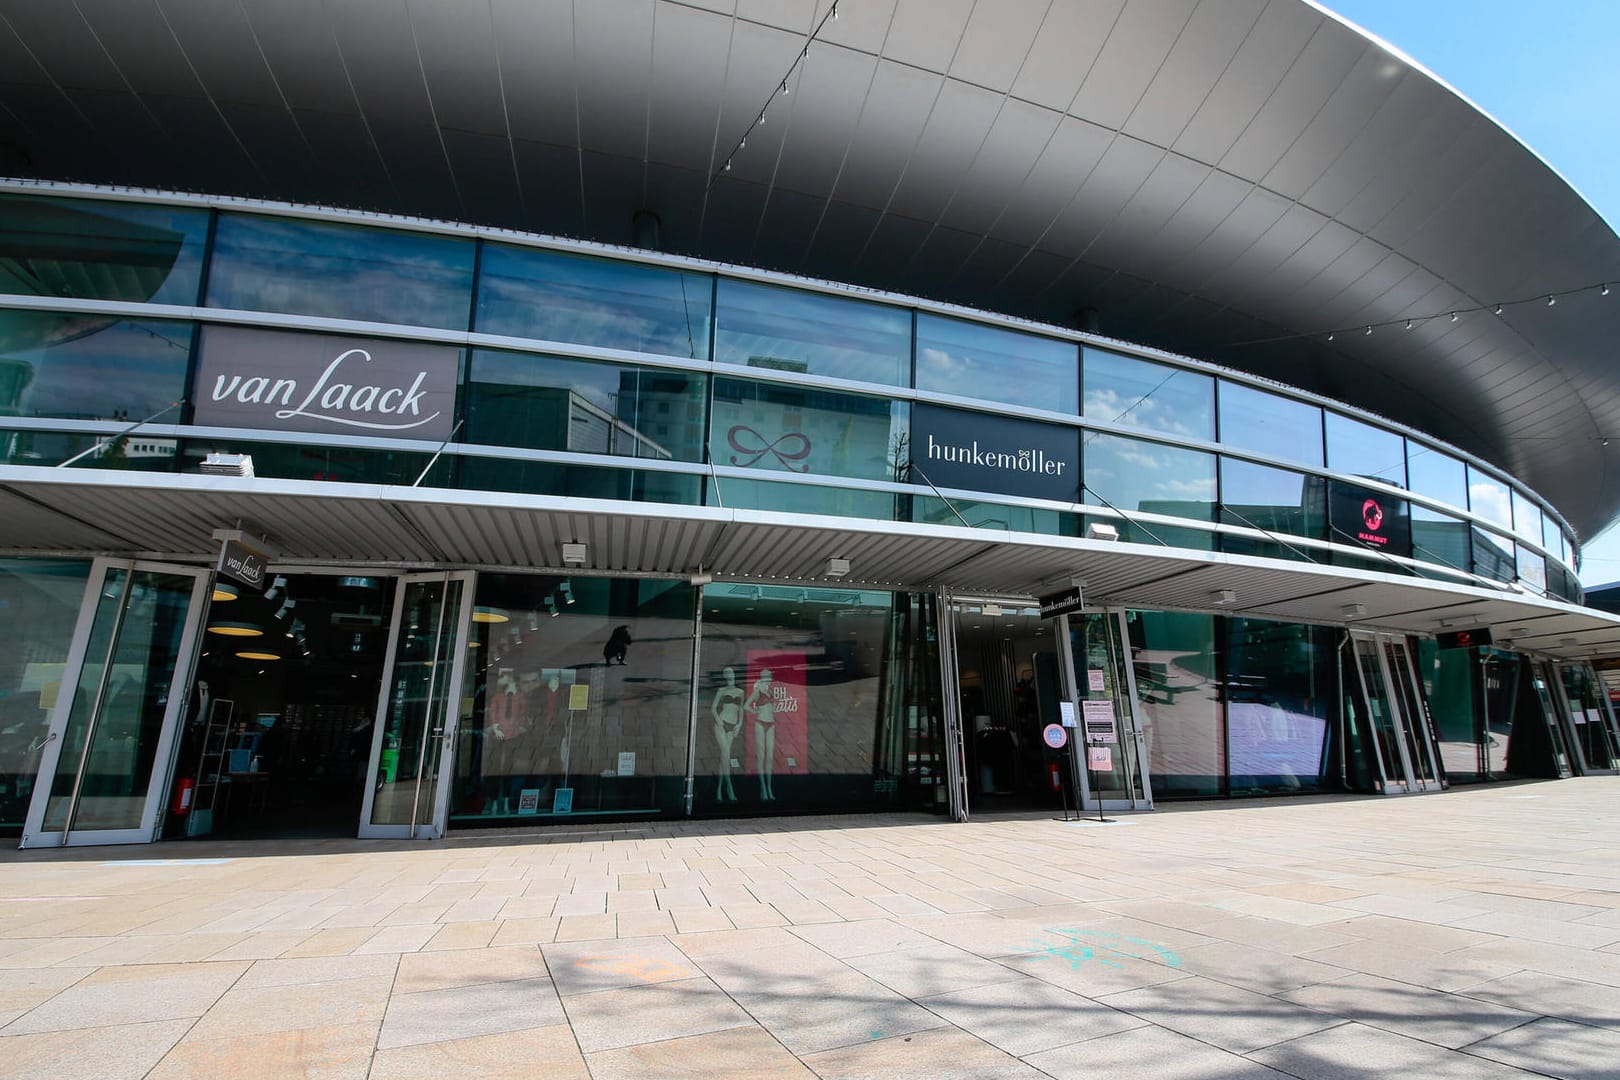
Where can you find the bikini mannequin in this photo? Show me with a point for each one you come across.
(727, 709)
(763, 706)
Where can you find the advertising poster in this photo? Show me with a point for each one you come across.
(776, 706)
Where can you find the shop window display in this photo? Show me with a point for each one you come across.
(580, 701)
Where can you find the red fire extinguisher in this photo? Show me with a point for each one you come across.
(1056, 775)
(182, 796)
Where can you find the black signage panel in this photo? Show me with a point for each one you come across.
(1001, 454)
(1464, 639)
(1357, 515)
(1066, 602)
(244, 564)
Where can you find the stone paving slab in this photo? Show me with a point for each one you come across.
(1474, 933)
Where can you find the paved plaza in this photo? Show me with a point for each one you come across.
(1470, 934)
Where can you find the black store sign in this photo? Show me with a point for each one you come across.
(1372, 519)
(1000, 454)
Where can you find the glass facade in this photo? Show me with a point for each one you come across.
(57, 365)
(764, 326)
(1158, 397)
(101, 250)
(1360, 449)
(985, 362)
(1270, 424)
(1281, 502)
(1179, 701)
(1134, 474)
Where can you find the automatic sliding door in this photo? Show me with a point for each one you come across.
(1426, 773)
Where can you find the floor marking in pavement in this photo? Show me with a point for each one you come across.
(45, 899)
(1102, 946)
(637, 967)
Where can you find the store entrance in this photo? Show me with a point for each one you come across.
(278, 723)
(1009, 683)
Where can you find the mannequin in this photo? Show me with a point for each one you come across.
(763, 706)
(727, 710)
(502, 743)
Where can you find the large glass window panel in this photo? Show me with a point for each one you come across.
(1270, 424)
(1526, 517)
(988, 362)
(549, 403)
(340, 271)
(138, 453)
(1489, 498)
(830, 501)
(816, 699)
(1552, 537)
(987, 515)
(527, 292)
(1532, 568)
(1493, 556)
(1173, 655)
(1450, 678)
(1281, 683)
(324, 461)
(1125, 390)
(101, 250)
(775, 428)
(91, 367)
(39, 604)
(1437, 475)
(1589, 715)
(793, 330)
(1364, 450)
(1276, 500)
(1441, 539)
(581, 699)
(580, 481)
(1133, 474)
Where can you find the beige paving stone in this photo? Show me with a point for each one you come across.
(699, 920)
(589, 967)
(1353, 1051)
(940, 1052)
(548, 1052)
(1556, 1048)
(1549, 995)
(742, 1053)
(469, 1010)
(1226, 1016)
(299, 971)
(644, 923)
(587, 927)
(1430, 1015)
(333, 942)
(263, 946)
(418, 972)
(334, 1053)
(123, 1052)
(465, 935)
(258, 1010)
(615, 1018)
(131, 995)
(1028, 1016)
(24, 989)
(398, 939)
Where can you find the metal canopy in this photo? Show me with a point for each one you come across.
(1200, 173)
(174, 516)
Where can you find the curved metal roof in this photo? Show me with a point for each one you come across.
(1221, 178)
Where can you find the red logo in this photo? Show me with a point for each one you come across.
(1372, 515)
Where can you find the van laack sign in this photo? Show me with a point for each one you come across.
(320, 382)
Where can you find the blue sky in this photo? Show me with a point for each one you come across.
(1550, 73)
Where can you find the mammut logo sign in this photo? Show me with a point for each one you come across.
(317, 382)
(1372, 516)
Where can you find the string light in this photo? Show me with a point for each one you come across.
(783, 87)
(1453, 316)
(1551, 300)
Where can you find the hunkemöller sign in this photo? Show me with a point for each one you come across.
(321, 382)
(989, 452)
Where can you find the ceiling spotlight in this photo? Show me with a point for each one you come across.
(1330, 337)
(275, 588)
(286, 606)
(1551, 300)
(566, 591)
(1499, 309)
(551, 606)
(1453, 316)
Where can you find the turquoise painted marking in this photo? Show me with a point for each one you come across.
(1103, 947)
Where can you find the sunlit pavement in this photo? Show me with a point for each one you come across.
(1470, 934)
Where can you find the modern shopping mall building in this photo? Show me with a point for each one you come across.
(426, 416)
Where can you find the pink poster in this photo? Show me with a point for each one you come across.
(776, 713)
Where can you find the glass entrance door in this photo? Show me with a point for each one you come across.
(418, 708)
(111, 739)
(1392, 699)
(1108, 748)
(1586, 703)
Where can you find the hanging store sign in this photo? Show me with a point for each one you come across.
(1001, 454)
(1464, 639)
(1370, 518)
(1066, 602)
(320, 382)
(243, 563)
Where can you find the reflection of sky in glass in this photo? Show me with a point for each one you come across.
(987, 362)
(1363, 450)
(1493, 556)
(1269, 424)
(524, 292)
(340, 271)
(1437, 475)
(789, 330)
(1489, 499)
(65, 372)
(1532, 568)
(1124, 390)
(1135, 475)
(1526, 517)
